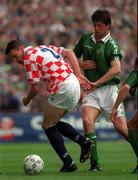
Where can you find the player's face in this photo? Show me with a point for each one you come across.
(17, 55)
(100, 29)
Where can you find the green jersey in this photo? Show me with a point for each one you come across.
(102, 53)
(132, 81)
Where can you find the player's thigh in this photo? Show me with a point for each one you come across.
(52, 115)
(133, 122)
(108, 96)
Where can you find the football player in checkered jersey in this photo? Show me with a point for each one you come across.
(59, 69)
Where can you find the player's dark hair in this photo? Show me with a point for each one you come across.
(101, 16)
(14, 44)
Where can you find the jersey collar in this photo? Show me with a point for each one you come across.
(27, 49)
(104, 39)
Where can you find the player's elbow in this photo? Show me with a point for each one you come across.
(67, 53)
(118, 71)
(116, 67)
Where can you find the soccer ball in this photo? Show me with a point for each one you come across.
(33, 164)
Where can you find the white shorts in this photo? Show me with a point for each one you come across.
(68, 95)
(103, 98)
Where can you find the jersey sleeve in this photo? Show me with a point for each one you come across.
(132, 78)
(114, 50)
(132, 82)
(116, 54)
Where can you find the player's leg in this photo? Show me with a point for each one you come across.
(69, 97)
(133, 135)
(51, 117)
(68, 131)
(90, 115)
(110, 95)
(133, 122)
(121, 126)
(133, 132)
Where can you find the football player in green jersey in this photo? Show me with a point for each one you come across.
(101, 64)
(129, 87)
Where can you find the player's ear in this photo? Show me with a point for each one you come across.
(21, 47)
(108, 26)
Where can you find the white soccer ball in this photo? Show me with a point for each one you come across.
(33, 164)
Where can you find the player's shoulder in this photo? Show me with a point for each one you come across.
(87, 34)
(112, 42)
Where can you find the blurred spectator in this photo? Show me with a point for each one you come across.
(58, 22)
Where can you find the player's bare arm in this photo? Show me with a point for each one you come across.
(121, 96)
(32, 93)
(113, 71)
(71, 58)
(87, 64)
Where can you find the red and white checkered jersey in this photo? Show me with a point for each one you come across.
(45, 63)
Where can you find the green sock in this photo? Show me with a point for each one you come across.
(133, 139)
(94, 154)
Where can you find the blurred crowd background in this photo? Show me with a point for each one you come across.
(58, 22)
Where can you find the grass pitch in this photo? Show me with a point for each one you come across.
(117, 160)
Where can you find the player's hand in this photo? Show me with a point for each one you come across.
(93, 86)
(113, 114)
(87, 64)
(84, 82)
(26, 101)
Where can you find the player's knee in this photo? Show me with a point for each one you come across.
(88, 123)
(43, 126)
(46, 125)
